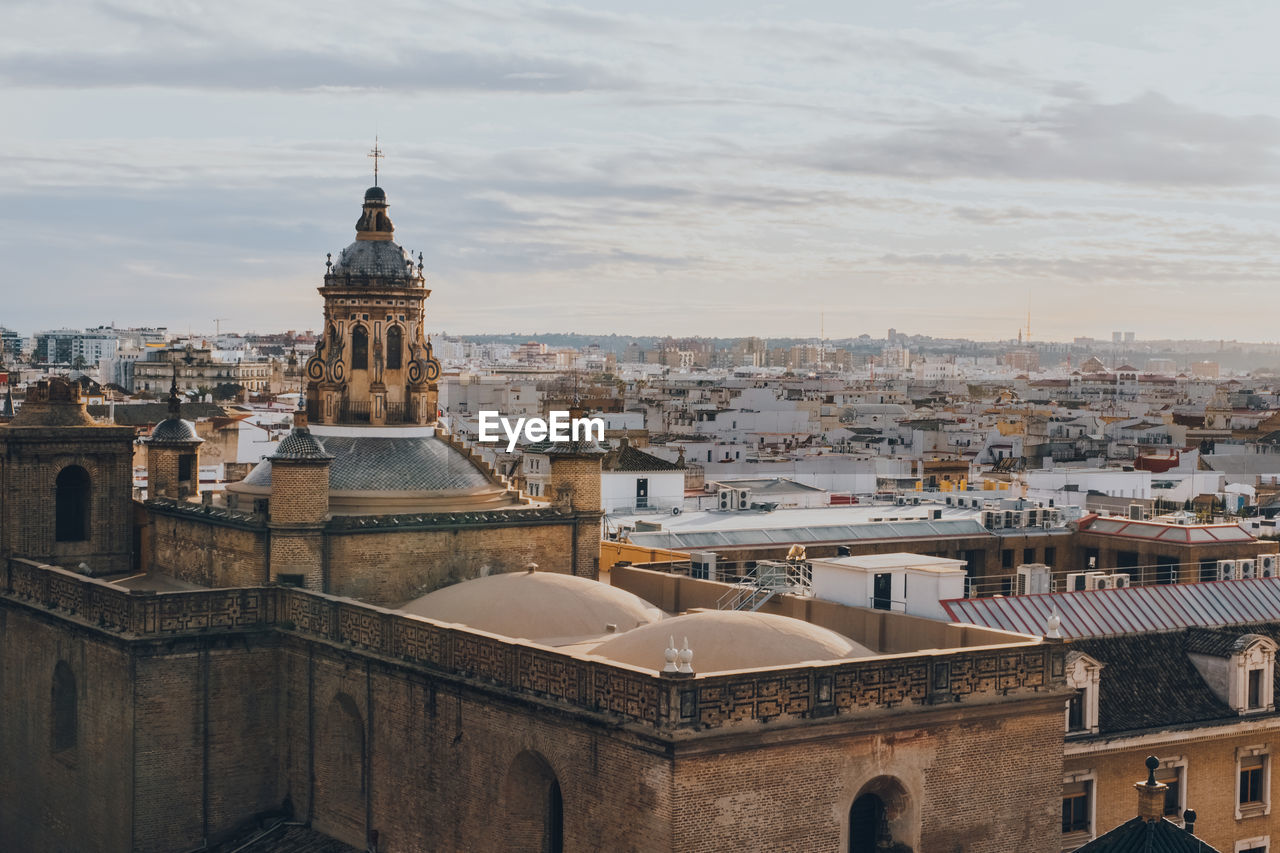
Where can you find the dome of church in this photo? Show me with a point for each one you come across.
(724, 640)
(173, 430)
(375, 194)
(300, 444)
(546, 607)
(388, 470)
(379, 258)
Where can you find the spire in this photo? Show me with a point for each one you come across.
(377, 155)
(175, 407)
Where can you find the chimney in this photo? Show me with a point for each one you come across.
(1189, 821)
(1151, 793)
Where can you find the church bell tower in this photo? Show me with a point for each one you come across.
(373, 365)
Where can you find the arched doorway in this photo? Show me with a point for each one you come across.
(533, 807)
(879, 818)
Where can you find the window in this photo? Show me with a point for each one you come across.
(1252, 787)
(71, 511)
(359, 348)
(395, 348)
(1075, 712)
(1075, 806)
(1050, 554)
(1028, 555)
(1006, 558)
(1255, 688)
(1171, 776)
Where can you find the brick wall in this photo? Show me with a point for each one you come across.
(1210, 778)
(207, 553)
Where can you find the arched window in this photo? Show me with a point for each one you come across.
(881, 819)
(64, 714)
(340, 771)
(71, 511)
(534, 807)
(395, 346)
(359, 348)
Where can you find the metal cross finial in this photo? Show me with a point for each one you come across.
(377, 155)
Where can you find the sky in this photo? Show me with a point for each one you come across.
(713, 168)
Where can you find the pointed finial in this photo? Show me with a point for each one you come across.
(1152, 764)
(175, 408)
(377, 155)
(686, 658)
(328, 262)
(670, 654)
(419, 262)
(1053, 624)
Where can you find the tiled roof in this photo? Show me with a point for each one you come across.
(283, 838)
(628, 458)
(1140, 836)
(1149, 682)
(411, 464)
(1135, 609)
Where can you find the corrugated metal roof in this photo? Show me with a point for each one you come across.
(1177, 533)
(1137, 609)
(916, 529)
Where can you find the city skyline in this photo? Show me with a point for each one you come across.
(946, 166)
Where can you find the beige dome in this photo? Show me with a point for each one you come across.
(545, 607)
(724, 640)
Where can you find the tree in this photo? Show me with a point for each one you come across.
(79, 363)
(227, 391)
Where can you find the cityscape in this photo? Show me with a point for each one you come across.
(551, 428)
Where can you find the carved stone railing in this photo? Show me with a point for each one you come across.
(586, 684)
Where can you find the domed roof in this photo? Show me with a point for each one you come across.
(546, 607)
(375, 194)
(173, 430)
(724, 640)
(381, 258)
(388, 470)
(300, 444)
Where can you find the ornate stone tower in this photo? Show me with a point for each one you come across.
(66, 484)
(374, 364)
(173, 455)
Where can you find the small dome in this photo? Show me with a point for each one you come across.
(380, 258)
(724, 640)
(174, 431)
(375, 194)
(300, 444)
(545, 607)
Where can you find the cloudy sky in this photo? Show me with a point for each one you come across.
(714, 168)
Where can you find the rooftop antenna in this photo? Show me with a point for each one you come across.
(377, 155)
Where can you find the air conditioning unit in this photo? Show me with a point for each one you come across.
(949, 500)
(1079, 581)
(915, 500)
(1012, 518)
(1116, 581)
(703, 565)
(1246, 568)
(1267, 566)
(1227, 570)
(901, 500)
(1033, 579)
(1135, 512)
(935, 515)
(1033, 518)
(743, 497)
(726, 499)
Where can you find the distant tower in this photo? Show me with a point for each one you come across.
(575, 488)
(66, 484)
(173, 455)
(373, 363)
